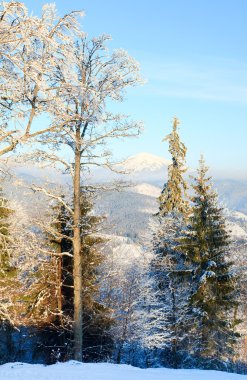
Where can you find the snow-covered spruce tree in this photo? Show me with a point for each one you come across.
(167, 324)
(238, 257)
(173, 198)
(41, 296)
(206, 246)
(97, 343)
(55, 284)
(8, 272)
(18, 245)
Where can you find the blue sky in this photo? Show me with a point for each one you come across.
(194, 56)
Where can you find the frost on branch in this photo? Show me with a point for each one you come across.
(30, 48)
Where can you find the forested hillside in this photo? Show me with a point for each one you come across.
(138, 261)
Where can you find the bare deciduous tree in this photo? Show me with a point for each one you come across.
(86, 79)
(30, 48)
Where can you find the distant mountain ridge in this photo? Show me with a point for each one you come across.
(128, 212)
(145, 161)
(147, 173)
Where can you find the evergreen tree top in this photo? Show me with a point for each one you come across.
(204, 194)
(202, 181)
(174, 197)
(177, 149)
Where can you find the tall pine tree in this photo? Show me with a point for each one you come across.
(206, 244)
(167, 264)
(173, 198)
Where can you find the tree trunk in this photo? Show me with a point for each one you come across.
(59, 288)
(118, 359)
(174, 326)
(77, 268)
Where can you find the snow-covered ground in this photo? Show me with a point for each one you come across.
(104, 371)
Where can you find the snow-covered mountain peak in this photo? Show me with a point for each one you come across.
(145, 162)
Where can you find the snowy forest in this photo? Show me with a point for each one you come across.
(138, 262)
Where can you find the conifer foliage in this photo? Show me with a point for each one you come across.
(168, 328)
(205, 244)
(56, 282)
(8, 271)
(173, 196)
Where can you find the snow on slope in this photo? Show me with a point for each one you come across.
(236, 231)
(145, 161)
(105, 371)
(122, 252)
(239, 215)
(147, 189)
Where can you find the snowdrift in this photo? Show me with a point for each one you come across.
(104, 371)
